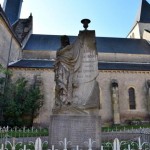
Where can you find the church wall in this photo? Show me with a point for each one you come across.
(47, 89)
(27, 54)
(9, 47)
(125, 79)
(5, 40)
(118, 57)
(15, 52)
(135, 32)
(146, 36)
(144, 26)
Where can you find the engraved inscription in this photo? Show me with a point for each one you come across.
(76, 129)
(88, 70)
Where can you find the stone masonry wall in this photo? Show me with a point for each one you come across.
(5, 39)
(9, 48)
(120, 57)
(47, 89)
(125, 79)
(15, 52)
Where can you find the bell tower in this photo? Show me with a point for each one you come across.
(12, 9)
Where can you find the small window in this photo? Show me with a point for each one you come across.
(132, 103)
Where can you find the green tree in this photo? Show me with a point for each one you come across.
(4, 77)
(20, 102)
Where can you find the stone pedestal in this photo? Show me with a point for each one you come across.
(75, 128)
(76, 95)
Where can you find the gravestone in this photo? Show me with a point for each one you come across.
(77, 102)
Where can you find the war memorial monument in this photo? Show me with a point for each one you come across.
(75, 113)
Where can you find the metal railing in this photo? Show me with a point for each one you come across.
(115, 145)
(22, 134)
(37, 138)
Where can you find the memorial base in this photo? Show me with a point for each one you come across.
(76, 129)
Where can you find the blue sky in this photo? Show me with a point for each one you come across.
(109, 18)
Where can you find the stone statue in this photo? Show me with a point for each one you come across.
(75, 113)
(76, 69)
(64, 69)
(115, 102)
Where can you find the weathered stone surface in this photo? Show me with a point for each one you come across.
(115, 102)
(76, 70)
(77, 129)
(47, 89)
(10, 49)
(126, 79)
(22, 28)
(77, 90)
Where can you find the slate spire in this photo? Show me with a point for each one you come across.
(144, 12)
(12, 9)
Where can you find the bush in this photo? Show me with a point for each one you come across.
(20, 102)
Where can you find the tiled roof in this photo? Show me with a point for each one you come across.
(122, 45)
(45, 42)
(32, 64)
(12, 10)
(103, 44)
(101, 65)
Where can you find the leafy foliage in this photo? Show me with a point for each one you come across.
(20, 102)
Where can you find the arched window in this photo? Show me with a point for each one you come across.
(132, 103)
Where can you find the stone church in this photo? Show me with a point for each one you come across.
(123, 64)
